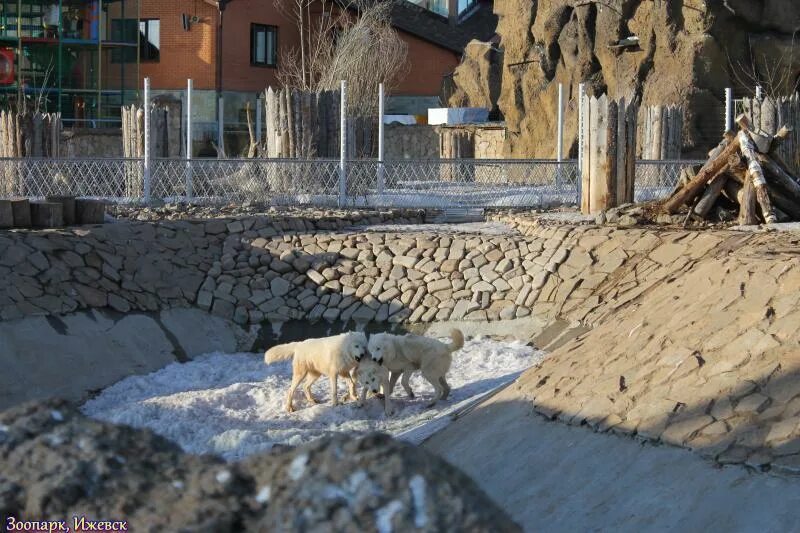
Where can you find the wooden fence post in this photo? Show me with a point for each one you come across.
(608, 164)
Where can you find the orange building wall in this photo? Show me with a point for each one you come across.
(427, 64)
(184, 54)
(192, 54)
(237, 73)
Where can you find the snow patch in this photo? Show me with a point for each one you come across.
(223, 476)
(385, 514)
(417, 486)
(480, 228)
(264, 494)
(232, 405)
(298, 467)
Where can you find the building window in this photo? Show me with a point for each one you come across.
(122, 37)
(263, 45)
(149, 40)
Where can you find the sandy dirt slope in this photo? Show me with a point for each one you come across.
(706, 358)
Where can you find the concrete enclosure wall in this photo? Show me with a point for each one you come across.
(411, 142)
(105, 142)
(425, 141)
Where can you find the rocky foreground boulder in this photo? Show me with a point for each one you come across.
(55, 464)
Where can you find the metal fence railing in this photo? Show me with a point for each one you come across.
(367, 183)
(657, 179)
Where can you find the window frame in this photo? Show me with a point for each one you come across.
(255, 27)
(147, 39)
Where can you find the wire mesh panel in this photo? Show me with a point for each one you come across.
(657, 179)
(100, 178)
(462, 183)
(275, 181)
(427, 183)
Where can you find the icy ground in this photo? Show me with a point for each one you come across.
(480, 228)
(232, 405)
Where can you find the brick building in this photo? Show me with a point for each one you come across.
(184, 42)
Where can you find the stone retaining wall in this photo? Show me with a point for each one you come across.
(134, 265)
(257, 268)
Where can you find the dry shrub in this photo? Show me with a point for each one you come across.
(353, 42)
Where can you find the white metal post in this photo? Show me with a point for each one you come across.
(343, 146)
(221, 127)
(728, 109)
(146, 177)
(259, 111)
(581, 118)
(381, 132)
(189, 178)
(560, 140)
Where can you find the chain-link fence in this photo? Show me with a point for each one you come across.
(367, 183)
(656, 179)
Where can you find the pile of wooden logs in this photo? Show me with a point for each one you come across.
(53, 212)
(744, 175)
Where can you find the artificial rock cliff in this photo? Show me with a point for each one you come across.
(689, 52)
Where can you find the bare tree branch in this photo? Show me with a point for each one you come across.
(357, 44)
(775, 75)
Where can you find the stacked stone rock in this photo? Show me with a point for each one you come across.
(376, 277)
(130, 266)
(316, 218)
(275, 269)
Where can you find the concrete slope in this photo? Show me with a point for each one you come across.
(554, 477)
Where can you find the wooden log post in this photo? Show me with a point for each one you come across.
(598, 149)
(6, 214)
(710, 196)
(21, 210)
(586, 163)
(715, 166)
(47, 215)
(68, 207)
(608, 165)
(90, 211)
(757, 175)
(626, 158)
(604, 187)
(747, 205)
(733, 191)
(290, 122)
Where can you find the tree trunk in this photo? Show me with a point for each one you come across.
(710, 196)
(747, 207)
(757, 175)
